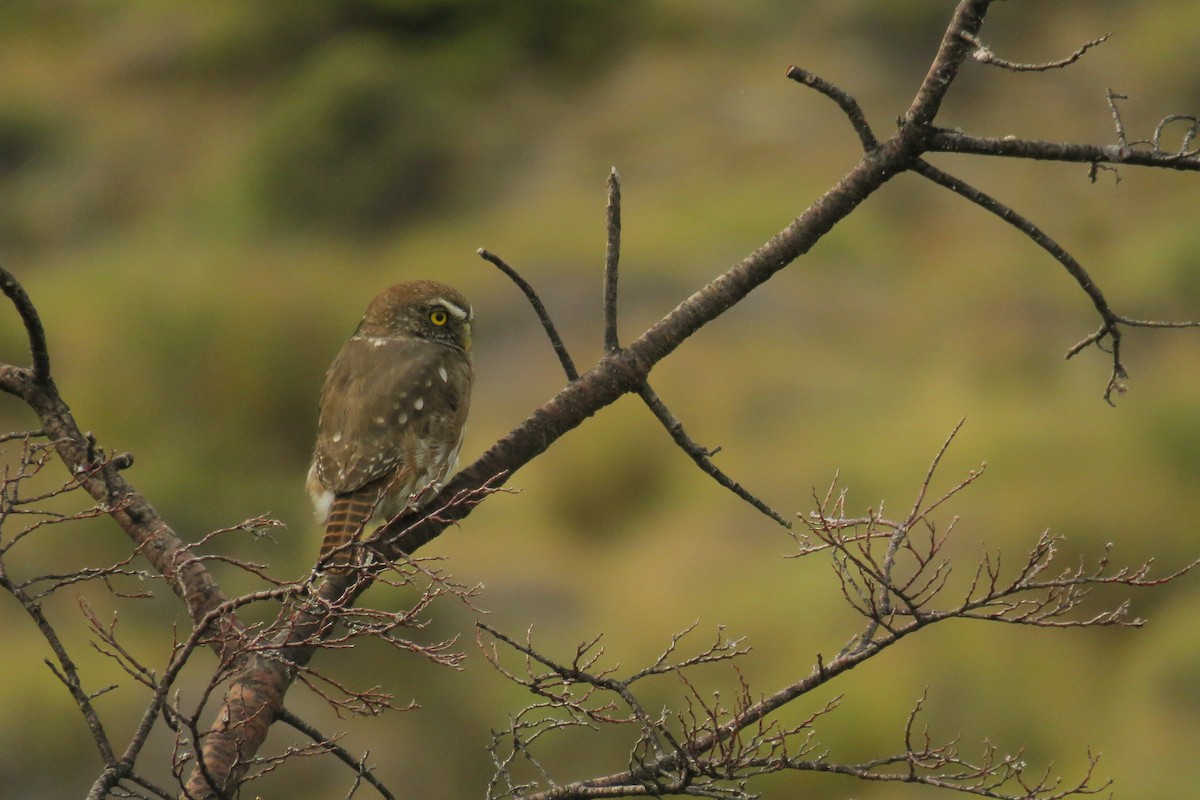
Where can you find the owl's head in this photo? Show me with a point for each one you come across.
(420, 310)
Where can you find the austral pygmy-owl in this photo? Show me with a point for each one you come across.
(393, 409)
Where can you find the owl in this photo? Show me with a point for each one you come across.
(392, 413)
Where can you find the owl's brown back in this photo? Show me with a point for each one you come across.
(393, 410)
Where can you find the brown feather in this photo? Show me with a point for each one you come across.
(393, 409)
(348, 515)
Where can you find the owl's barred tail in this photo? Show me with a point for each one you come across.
(348, 516)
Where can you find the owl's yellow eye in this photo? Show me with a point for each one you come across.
(438, 317)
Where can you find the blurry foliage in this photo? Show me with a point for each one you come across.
(360, 135)
(187, 189)
(352, 142)
(31, 142)
(348, 115)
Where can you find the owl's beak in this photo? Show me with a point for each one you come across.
(465, 338)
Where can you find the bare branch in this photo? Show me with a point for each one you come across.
(38, 350)
(710, 746)
(543, 316)
(984, 55)
(11, 435)
(328, 743)
(99, 475)
(612, 255)
(845, 102)
(948, 141)
(702, 455)
(1111, 322)
(1112, 97)
(66, 671)
(966, 22)
(1189, 135)
(1182, 153)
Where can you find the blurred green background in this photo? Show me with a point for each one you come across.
(202, 197)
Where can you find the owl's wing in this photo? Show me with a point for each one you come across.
(386, 402)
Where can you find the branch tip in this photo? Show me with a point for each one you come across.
(984, 55)
(844, 100)
(38, 349)
(702, 455)
(612, 256)
(543, 316)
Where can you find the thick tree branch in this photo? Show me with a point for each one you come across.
(625, 370)
(955, 46)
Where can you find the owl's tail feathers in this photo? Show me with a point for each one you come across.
(348, 516)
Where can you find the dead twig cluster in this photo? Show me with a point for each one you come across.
(895, 574)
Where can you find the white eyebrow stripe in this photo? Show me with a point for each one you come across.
(453, 308)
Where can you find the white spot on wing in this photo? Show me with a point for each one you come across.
(419, 403)
(445, 376)
(337, 437)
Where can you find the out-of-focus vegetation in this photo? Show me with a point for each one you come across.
(202, 197)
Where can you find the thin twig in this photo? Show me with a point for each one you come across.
(68, 674)
(612, 255)
(1109, 318)
(1112, 98)
(701, 455)
(38, 349)
(34, 434)
(845, 102)
(1188, 137)
(900, 534)
(543, 316)
(286, 716)
(1157, 323)
(984, 55)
